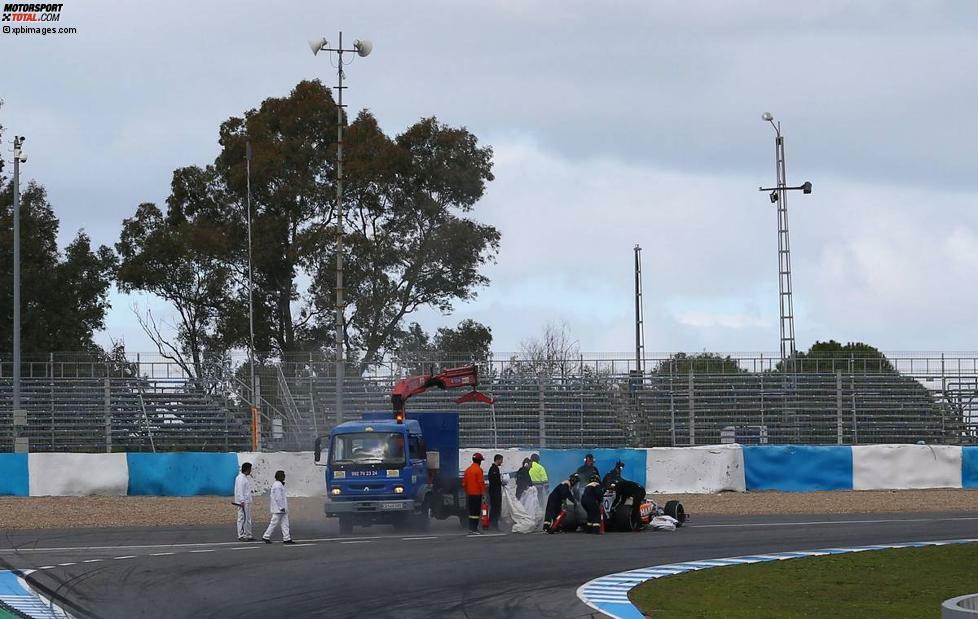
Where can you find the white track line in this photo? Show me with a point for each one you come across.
(247, 548)
(192, 545)
(123, 557)
(818, 522)
(411, 539)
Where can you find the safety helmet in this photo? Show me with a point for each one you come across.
(595, 478)
(574, 478)
(619, 465)
(477, 457)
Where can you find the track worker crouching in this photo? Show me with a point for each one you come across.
(555, 502)
(475, 488)
(279, 506)
(626, 489)
(591, 500)
(242, 501)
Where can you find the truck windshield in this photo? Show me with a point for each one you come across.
(368, 448)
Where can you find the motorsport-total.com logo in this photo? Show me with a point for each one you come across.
(31, 12)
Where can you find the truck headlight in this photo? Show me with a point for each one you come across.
(398, 489)
(336, 491)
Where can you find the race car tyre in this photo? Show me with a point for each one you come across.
(675, 510)
(620, 519)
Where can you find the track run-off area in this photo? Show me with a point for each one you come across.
(444, 572)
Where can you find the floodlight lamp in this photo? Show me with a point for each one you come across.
(767, 116)
(806, 187)
(774, 197)
(318, 45)
(363, 47)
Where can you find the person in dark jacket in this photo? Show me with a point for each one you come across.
(523, 480)
(495, 492)
(587, 470)
(555, 502)
(591, 502)
(613, 475)
(626, 489)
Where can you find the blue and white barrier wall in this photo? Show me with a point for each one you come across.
(665, 470)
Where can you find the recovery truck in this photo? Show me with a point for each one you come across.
(399, 468)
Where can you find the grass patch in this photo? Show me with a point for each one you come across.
(905, 582)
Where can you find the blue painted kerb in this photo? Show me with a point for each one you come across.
(798, 468)
(182, 474)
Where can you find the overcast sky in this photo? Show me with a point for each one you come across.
(613, 123)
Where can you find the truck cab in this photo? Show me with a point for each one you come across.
(381, 471)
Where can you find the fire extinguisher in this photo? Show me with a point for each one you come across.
(484, 521)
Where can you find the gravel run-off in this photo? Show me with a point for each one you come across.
(70, 512)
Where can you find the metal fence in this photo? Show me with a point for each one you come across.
(142, 403)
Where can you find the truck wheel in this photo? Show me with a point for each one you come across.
(346, 525)
(675, 509)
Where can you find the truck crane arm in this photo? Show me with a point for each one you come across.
(449, 379)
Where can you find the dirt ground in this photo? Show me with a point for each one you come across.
(71, 512)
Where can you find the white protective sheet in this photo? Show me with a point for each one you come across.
(525, 515)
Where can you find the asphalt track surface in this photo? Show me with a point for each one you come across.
(199, 572)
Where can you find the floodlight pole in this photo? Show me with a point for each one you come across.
(19, 417)
(779, 195)
(360, 48)
(639, 317)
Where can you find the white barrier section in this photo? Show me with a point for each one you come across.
(302, 476)
(512, 458)
(895, 467)
(695, 470)
(67, 474)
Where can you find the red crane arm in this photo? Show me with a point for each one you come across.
(449, 379)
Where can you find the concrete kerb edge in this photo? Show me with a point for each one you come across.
(609, 594)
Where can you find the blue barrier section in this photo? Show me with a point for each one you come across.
(14, 480)
(182, 474)
(560, 463)
(969, 467)
(798, 468)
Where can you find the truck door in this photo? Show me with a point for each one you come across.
(419, 473)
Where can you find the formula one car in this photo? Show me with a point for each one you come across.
(619, 517)
(620, 514)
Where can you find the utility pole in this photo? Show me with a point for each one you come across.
(21, 441)
(362, 48)
(255, 416)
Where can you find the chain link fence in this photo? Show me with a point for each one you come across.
(145, 403)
